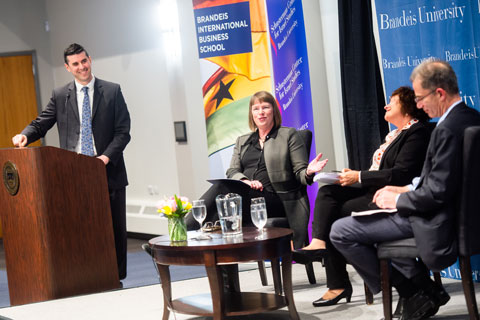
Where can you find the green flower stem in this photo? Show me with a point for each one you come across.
(177, 229)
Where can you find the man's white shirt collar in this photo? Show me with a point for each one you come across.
(90, 85)
(448, 111)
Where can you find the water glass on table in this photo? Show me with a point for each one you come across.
(258, 212)
(199, 211)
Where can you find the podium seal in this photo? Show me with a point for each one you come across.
(10, 177)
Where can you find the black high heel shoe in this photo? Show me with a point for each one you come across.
(346, 293)
(306, 256)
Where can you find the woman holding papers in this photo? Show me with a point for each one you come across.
(271, 162)
(396, 162)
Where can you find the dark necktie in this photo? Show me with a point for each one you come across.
(87, 139)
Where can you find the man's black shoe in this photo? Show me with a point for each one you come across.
(419, 306)
(439, 294)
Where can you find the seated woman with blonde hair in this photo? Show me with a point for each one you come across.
(272, 162)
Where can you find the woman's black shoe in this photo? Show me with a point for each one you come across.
(346, 293)
(306, 256)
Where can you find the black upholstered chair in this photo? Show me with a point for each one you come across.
(467, 228)
(283, 223)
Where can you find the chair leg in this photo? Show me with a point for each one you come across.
(368, 295)
(263, 274)
(310, 273)
(277, 277)
(468, 289)
(232, 280)
(386, 289)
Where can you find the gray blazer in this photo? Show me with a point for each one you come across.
(110, 125)
(286, 159)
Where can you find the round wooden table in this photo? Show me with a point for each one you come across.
(218, 251)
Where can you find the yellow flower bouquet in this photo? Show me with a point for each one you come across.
(175, 208)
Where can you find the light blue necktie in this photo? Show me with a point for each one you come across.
(87, 140)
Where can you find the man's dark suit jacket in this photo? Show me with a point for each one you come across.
(110, 125)
(431, 207)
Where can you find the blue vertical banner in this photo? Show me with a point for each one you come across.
(290, 69)
(412, 31)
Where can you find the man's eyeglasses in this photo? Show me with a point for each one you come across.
(420, 98)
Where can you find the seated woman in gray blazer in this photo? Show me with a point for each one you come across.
(272, 161)
(395, 162)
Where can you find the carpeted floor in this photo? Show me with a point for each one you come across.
(140, 271)
(138, 300)
(146, 303)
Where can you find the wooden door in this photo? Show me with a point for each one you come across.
(18, 98)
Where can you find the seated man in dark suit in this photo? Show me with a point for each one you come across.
(426, 209)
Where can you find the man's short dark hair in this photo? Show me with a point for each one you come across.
(72, 49)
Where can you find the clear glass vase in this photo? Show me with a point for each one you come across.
(177, 229)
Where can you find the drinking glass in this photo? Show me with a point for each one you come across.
(258, 212)
(259, 200)
(199, 211)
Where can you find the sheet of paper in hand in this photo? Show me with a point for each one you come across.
(327, 177)
(370, 212)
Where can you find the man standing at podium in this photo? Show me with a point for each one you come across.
(92, 119)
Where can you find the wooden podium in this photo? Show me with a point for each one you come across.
(57, 226)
